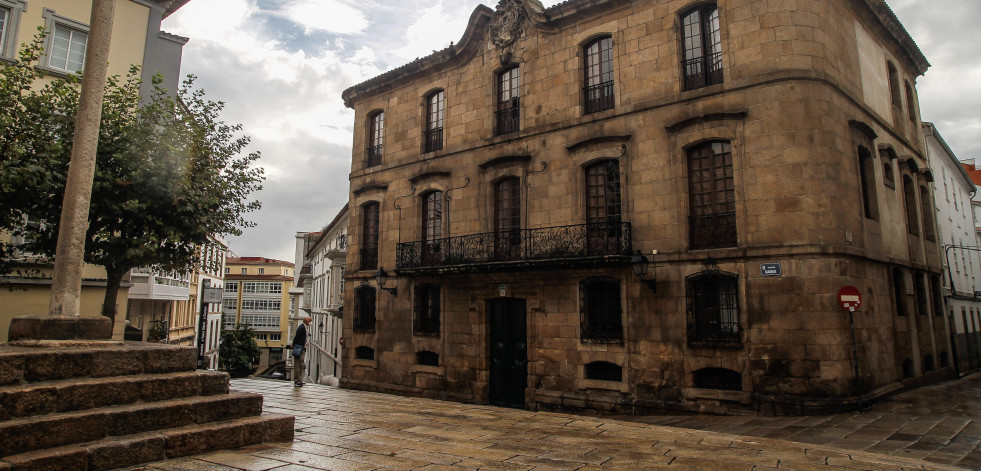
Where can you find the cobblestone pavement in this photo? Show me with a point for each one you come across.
(345, 430)
(939, 423)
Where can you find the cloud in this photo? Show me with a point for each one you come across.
(330, 16)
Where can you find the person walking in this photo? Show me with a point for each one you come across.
(299, 352)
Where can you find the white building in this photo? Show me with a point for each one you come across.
(210, 272)
(957, 228)
(153, 300)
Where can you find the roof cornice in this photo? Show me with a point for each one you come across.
(895, 28)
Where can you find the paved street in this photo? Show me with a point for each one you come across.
(939, 423)
(345, 430)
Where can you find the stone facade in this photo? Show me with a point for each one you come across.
(799, 114)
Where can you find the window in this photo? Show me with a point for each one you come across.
(866, 170)
(938, 300)
(275, 337)
(897, 99)
(262, 271)
(888, 177)
(899, 291)
(507, 219)
(10, 11)
(376, 133)
(508, 101)
(434, 121)
(920, 292)
(364, 353)
(598, 68)
(599, 308)
(909, 198)
(927, 209)
(702, 61)
(603, 207)
(718, 378)
(432, 226)
(712, 196)
(713, 307)
(427, 358)
(227, 270)
(262, 287)
(245, 270)
(604, 371)
(364, 309)
(231, 287)
(427, 310)
(66, 46)
(910, 110)
(369, 236)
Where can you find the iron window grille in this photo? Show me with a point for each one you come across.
(427, 311)
(509, 101)
(602, 204)
(598, 81)
(369, 236)
(364, 309)
(718, 378)
(712, 196)
(434, 122)
(894, 92)
(702, 62)
(376, 134)
(600, 310)
(866, 168)
(713, 308)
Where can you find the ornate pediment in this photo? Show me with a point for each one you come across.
(506, 27)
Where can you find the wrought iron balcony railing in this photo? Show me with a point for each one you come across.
(374, 154)
(702, 71)
(508, 116)
(599, 97)
(433, 139)
(586, 243)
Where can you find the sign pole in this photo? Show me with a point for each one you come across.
(858, 381)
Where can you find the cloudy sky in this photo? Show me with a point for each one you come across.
(281, 65)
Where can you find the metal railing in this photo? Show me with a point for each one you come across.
(508, 119)
(713, 231)
(598, 97)
(434, 139)
(374, 154)
(578, 241)
(702, 71)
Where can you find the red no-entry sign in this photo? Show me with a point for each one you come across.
(850, 298)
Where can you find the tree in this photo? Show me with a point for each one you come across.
(169, 171)
(238, 351)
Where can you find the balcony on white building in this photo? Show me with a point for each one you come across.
(157, 285)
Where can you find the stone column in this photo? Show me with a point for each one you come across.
(66, 286)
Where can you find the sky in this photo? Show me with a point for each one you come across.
(281, 65)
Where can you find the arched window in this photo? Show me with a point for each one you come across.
(435, 104)
(600, 310)
(603, 231)
(369, 235)
(927, 209)
(713, 307)
(376, 134)
(364, 309)
(432, 227)
(604, 371)
(426, 321)
(866, 168)
(508, 100)
(711, 192)
(427, 358)
(598, 80)
(894, 93)
(702, 47)
(909, 199)
(910, 110)
(888, 177)
(718, 378)
(507, 219)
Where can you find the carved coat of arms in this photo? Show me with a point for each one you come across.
(506, 27)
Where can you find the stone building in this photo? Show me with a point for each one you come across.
(623, 205)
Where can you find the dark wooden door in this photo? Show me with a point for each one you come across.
(508, 352)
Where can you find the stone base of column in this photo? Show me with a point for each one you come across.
(32, 329)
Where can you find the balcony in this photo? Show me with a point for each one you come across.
(576, 245)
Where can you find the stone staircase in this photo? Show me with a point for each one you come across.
(74, 406)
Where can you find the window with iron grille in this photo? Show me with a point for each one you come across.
(434, 121)
(866, 169)
(599, 310)
(713, 308)
(604, 371)
(507, 219)
(508, 101)
(909, 199)
(432, 226)
(427, 358)
(427, 311)
(598, 69)
(702, 62)
(718, 378)
(603, 207)
(712, 196)
(369, 236)
(364, 309)
(376, 134)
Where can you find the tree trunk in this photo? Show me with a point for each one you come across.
(114, 278)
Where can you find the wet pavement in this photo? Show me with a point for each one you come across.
(343, 430)
(939, 423)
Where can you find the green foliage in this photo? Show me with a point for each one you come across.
(238, 351)
(169, 171)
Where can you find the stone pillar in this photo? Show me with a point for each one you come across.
(66, 286)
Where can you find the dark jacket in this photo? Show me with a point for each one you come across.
(300, 338)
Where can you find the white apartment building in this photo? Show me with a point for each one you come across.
(957, 229)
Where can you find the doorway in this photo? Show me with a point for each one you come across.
(508, 352)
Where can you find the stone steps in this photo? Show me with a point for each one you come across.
(50, 397)
(131, 450)
(68, 406)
